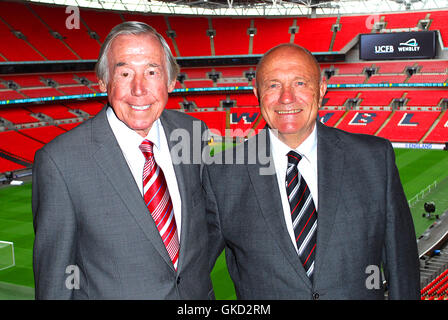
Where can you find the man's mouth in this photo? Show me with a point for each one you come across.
(288, 111)
(140, 108)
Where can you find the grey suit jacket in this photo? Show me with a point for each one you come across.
(363, 221)
(90, 221)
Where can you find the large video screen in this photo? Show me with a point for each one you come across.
(399, 45)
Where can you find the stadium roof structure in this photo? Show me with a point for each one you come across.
(309, 8)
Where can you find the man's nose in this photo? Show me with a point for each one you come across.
(287, 95)
(138, 86)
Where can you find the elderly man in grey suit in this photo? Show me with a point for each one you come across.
(114, 216)
(329, 217)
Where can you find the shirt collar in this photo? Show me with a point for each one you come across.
(306, 149)
(128, 137)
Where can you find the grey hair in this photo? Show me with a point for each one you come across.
(133, 28)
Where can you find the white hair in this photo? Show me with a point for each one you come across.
(133, 28)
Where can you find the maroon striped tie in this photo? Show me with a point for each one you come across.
(303, 213)
(158, 201)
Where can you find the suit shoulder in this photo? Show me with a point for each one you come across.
(179, 117)
(70, 141)
(359, 140)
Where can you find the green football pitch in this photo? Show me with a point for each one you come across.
(418, 169)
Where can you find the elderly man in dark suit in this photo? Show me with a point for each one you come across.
(115, 215)
(326, 215)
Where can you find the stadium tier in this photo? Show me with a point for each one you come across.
(437, 289)
(19, 145)
(367, 122)
(17, 115)
(7, 165)
(40, 33)
(56, 112)
(440, 132)
(408, 126)
(42, 134)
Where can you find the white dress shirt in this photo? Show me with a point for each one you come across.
(307, 168)
(129, 142)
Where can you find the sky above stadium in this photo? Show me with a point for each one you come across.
(256, 7)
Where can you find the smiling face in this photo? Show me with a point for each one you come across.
(289, 93)
(138, 83)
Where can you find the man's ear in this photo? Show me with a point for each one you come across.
(102, 85)
(323, 90)
(172, 85)
(255, 90)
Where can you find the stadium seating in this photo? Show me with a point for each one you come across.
(393, 66)
(431, 67)
(330, 117)
(244, 119)
(315, 33)
(15, 49)
(226, 36)
(387, 78)
(7, 165)
(90, 107)
(77, 40)
(338, 97)
(19, 145)
(20, 18)
(399, 20)
(439, 134)
(196, 73)
(215, 120)
(408, 126)
(174, 102)
(437, 289)
(17, 115)
(264, 40)
(379, 97)
(56, 112)
(438, 22)
(351, 68)
(347, 79)
(351, 26)
(10, 95)
(367, 122)
(244, 99)
(42, 134)
(428, 78)
(191, 44)
(207, 101)
(426, 97)
(370, 110)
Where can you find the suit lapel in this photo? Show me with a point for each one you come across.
(272, 210)
(330, 167)
(182, 172)
(122, 180)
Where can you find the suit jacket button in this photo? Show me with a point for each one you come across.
(178, 280)
(315, 296)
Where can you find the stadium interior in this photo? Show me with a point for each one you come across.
(48, 86)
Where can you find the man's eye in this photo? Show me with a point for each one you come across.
(125, 74)
(300, 83)
(152, 73)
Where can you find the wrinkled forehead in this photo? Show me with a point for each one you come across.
(139, 44)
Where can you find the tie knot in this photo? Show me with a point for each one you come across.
(146, 149)
(293, 157)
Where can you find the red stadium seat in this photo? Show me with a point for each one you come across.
(408, 126)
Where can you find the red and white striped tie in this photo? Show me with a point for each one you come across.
(158, 201)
